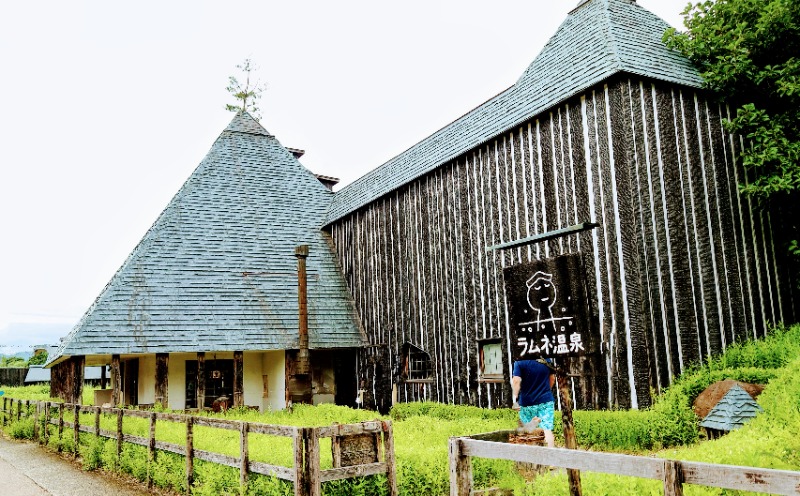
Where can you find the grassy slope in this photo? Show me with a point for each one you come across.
(770, 440)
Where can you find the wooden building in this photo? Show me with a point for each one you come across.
(207, 305)
(607, 126)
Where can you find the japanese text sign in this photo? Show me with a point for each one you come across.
(548, 308)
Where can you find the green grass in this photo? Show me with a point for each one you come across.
(669, 429)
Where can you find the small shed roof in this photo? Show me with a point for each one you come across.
(217, 271)
(598, 39)
(733, 410)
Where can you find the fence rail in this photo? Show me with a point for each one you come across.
(306, 473)
(673, 473)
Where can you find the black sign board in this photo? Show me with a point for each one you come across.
(548, 308)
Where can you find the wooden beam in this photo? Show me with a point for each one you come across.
(538, 238)
(238, 378)
(201, 380)
(116, 381)
(162, 379)
(76, 380)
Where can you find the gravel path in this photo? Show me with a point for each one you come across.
(28, 470)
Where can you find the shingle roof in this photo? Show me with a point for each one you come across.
(597, 40)
(732, 411)
(217, 270)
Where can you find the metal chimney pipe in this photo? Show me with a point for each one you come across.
(303, 358)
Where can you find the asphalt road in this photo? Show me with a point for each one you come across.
(28, 470)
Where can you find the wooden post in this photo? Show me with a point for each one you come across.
(4, 411)
(103, 378)
(391, 467)
(120, 415)
(189, 453)
(238, 374)
(60, 424)
(116, 382)
(36, 421)
(299, 462)
(303, 366)
(201, 380)
(76, 429)
(97, 422)
(460, 470)
(162, 379)
(570, 442)
(314, 481)
(75, 380)
(46, 433)
(244, 458)
(151, 450)
(19, 410)
(673, 478)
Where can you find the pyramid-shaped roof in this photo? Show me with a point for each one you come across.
(217, 271)
(598, 39)
(732, 411)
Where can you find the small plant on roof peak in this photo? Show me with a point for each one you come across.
(247, 93)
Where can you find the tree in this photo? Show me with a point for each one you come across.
(12, 362)
(748, 51)
(247, 94)
(38, 358)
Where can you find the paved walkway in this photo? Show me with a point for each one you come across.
(28, 470)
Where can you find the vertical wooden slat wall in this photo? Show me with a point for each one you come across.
(681, 267)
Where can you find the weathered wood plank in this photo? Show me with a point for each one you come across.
(352, 471)
(460, 468)
(285, 473)
(273, 430)
(372, 426)
(141, 441)
(648, 468)
(208, 456)
(761, 480)
(171, 447)
(231, 425)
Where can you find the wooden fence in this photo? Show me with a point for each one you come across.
(306, 473)
(673, 473)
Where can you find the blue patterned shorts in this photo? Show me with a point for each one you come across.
(543, 410)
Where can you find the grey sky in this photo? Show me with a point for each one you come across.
(107, 107)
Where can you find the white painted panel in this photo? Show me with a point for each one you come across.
(273, 365)
(147, 379)
(252, 381)
(177, 379)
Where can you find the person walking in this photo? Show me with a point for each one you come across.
(531, 387)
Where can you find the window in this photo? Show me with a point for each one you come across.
(416, 364)
(490, 360)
